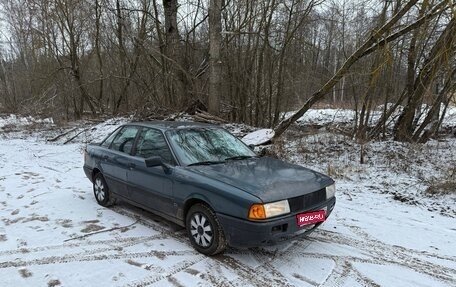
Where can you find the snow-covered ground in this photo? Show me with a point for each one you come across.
(342, 116)
(386, 229)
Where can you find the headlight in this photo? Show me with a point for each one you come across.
(263, 211)
(330, 191)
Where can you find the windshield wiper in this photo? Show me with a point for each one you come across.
(239, 157)
(209, 162)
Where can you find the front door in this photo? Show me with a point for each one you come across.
(151, 187)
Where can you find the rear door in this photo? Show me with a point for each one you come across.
(117, 159)
(151, 187)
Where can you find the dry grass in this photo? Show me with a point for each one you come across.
(446, 184)
(441, 188)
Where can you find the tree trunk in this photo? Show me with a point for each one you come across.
(173, 53)
(98, 52)
(438, 55)
(215, 62)
(423, 133)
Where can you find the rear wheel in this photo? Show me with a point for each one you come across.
(204, 230)
(101, 191)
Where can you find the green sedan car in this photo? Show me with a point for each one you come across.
(205, 179)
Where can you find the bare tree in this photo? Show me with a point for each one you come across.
(442, 50)
(70, 18)
(139, 56)
(378, 38)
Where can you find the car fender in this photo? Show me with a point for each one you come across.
(191, 200)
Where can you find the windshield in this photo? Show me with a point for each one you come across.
(206, 145)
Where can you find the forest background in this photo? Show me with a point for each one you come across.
(240, 60)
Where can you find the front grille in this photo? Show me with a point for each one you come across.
(306, 201)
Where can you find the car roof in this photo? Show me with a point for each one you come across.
(172, 125)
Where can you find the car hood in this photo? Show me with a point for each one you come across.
(267, 178)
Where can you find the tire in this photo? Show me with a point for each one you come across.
(101, 191)
(204, 230)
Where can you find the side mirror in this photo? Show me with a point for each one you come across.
(153, 161)
(157, 161)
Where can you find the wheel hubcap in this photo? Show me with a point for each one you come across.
(201, 230)
(99, 190)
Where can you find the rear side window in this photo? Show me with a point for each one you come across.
(124, 139)
(107, 142)
(152, 143)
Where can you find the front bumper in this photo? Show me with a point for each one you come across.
(245, 233)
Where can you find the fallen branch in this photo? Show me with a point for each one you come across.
(174, 117)
(208, 118)
(60, 135)
(84, 130)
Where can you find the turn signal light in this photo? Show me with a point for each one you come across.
(257, 212)
(268, 210)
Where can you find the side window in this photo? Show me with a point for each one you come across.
(152, 143)
(124, 139)
(107, 141)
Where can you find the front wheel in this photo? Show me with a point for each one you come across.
(101, 191)
(204, 230)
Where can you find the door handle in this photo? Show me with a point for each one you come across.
(105, 157)
(131, 165)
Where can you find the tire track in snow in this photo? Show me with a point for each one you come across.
(88, 256)
(379, 243)
(343, 268)
(240, 269)
(382, 253)
(120, 242)
(339, 273)
(149, 280)
(161, 225)
(267, 272)
(164, 233)
(281, 258)
(251, 275)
